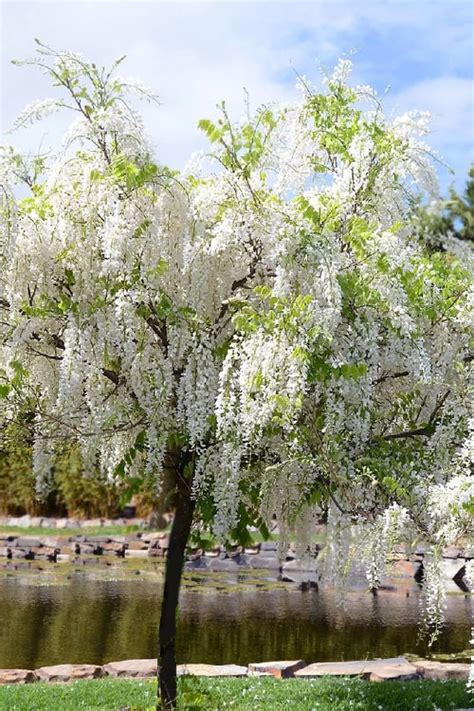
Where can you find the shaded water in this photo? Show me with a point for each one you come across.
(93, 620)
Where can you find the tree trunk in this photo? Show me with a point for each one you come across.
(184, 510)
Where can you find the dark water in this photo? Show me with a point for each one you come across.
(98, 621)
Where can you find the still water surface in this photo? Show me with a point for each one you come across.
(96, 621)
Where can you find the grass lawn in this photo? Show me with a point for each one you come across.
(257, 694)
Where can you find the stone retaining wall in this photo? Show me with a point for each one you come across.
(397, 668)
(28, 521)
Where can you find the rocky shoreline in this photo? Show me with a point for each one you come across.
(17, 549)
(393, 669)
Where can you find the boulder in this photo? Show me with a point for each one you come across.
(442, 670)
(280, 670)
(132, 668)
(69, 672)
(211, 670)
(268, 546)
(17, 676)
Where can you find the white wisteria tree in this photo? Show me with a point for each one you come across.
(268, 331)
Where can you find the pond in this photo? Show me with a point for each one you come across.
(87, 618)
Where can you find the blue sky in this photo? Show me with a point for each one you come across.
(420, 52)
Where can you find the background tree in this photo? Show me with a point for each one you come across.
(450, 219)
(267, 333)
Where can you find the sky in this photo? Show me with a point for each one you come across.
(418, 54)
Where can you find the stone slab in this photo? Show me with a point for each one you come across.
(403, 672)
(442, 671)
(280, 670)
(136, 554)
(131, 668)
(264, 563)
(212, 670)
(17, 676)
(69, 672)
(396, 667)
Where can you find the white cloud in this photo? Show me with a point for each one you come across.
(450, 100)
(197, 53)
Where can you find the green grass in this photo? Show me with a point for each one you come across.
(262, 694)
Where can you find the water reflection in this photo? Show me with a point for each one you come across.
(102, 620)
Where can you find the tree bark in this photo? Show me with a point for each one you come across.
(184, 510)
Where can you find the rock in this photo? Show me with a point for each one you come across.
(217, 565)
(211, 670)
(83, 549)
(92, 523)
(151, 537)
(403, 569)
(132, 668)
(27, 542)
(391, 673)
(60, 523)
(441, 671)
(260, 561)
(69, 672)
(281, 670)
(305, 581)
(306, 566)
(268, 546)
(378, 669)
(199, 564)
(97, 539)
(21, 521)
(16, 553)
(461, 580)
(37, 521)
(138, 545)
(136, 553)
(452, 552)
(155, 552)
(17, 676)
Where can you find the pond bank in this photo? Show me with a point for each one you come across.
(408, 565)
(394, 669)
